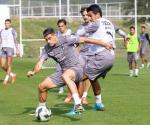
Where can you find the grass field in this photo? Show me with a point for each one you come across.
(127, 100)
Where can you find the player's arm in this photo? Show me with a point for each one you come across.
(147, 37)
(36, 69)
(38, 65)
(126, 42)
(100, 42)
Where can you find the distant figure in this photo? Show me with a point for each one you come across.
(144, 40)
(8, 44)
(132, 46)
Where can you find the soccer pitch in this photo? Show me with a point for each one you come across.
(127, 100)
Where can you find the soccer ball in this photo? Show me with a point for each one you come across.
(42, 113)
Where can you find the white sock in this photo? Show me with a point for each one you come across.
(42, 103)
(76, 98)
(142, 65)
(84, 95)
(61, 88)
(98, 99)
(6, 77)
(136, 72)
(11, 74)
(131, 72)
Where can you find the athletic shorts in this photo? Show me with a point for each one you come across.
(83, 59)
(99, 64)
(143, 51)
(57, 77)
(132, 56)
(7, 52)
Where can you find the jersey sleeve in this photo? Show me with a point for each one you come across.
(44, 54)
(90, 28)
(72, 39)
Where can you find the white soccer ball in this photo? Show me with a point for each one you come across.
(43, 113)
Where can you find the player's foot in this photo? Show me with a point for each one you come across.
(76, 110)
(99, 107)
(13, 78)
(148, 65)
(5, 82)
(68, 99)
(84, 100)
(72, 112)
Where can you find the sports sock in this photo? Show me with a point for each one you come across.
(76, 98)
(84, 95)
(98, 99)
(6, 77)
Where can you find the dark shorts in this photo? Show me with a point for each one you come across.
(57, 77)
(7, 52)
(99, 64)
(132, 56)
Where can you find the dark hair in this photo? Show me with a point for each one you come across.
(62, 21)
(8, 20)
(95, 9)
(132, 27)
(143, 26)
(48, 31)
(83, 9)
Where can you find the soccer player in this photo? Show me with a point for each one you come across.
(64, 31)
(82, 55)
(144, 40)
(61, 49)
(8, 38)
(132, 46)
(100, 60)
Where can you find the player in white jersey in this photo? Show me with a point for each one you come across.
(8, 44)
(100, 60)
(62, 31)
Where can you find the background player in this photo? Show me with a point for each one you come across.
(8, 43)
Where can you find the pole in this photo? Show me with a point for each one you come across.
(95, 1)
(20, 20)
(135, 16)
(68, 8)
(59, 9)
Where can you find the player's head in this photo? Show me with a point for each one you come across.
(132, 30)
(62, 25)
(7, 23)
(84, 14)
(50, 36)
(143, 28)
(94, 11)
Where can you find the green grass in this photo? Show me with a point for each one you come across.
(127, 100)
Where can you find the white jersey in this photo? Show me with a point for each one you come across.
(8, 37)
(68, 32)
(106, 32)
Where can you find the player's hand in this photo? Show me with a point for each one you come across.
(17, 53)
(108, 46)
(30, 73)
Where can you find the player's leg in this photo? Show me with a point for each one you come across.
(130, 60)
(10, 54)
(136, 70)
(87, 85)
(43, 88)
(97, 92)
(69, 76)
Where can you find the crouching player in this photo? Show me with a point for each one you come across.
(61, 49)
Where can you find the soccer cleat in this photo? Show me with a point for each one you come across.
(13, 78)
(73, 112)
(84, 100)
(68, 99)
(5, 82)
(99, 107)
(76, 110)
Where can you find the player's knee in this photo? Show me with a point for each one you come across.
(41, 87)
